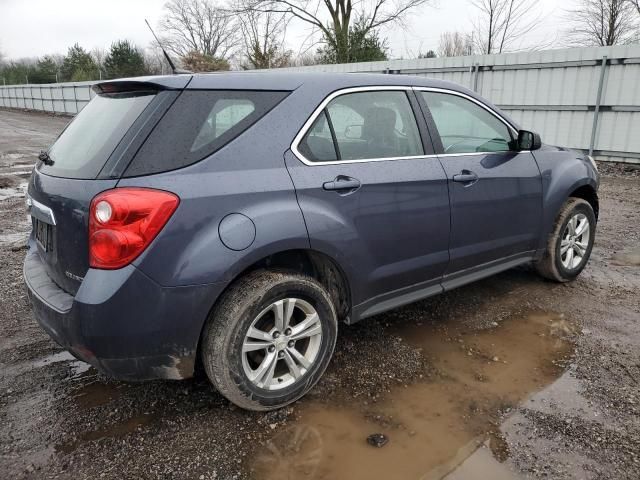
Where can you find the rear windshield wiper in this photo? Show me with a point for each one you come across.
(45, 158)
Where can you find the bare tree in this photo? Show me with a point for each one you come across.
(454, 44)
(503, 22)
(199, 26)
(155, 61)
(636, 4)
(263, 36)
(342, 15)
(602, 23)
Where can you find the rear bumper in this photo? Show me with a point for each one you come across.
(121, 321)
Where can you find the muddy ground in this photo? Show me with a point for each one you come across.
(511, 377)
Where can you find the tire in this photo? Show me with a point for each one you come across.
(555, 264)
(254, 301)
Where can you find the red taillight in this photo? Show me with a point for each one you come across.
(124, 221)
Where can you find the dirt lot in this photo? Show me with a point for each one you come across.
(512, 377)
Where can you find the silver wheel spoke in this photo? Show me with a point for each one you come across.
(283, 311)
(264, 373)
(308, 327)
(291, 364)
(569, 258)
(572, 226)
(564, 246)
(249, 346)
(259, 335)
(299, 357)
(582, 227)
(580, 248)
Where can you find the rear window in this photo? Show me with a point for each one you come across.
(85, 145)
(199, 123)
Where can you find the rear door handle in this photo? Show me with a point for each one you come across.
(341, 183)
(466, 177)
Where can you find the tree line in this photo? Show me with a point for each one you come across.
(202, 35)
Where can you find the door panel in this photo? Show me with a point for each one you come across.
(390, 232)
(497, 215)
(495, 192)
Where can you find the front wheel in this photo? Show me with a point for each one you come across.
(570, 243)
(269, 339)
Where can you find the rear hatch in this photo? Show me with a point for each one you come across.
(86, 159)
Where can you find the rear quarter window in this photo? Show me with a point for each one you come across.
(198, 124)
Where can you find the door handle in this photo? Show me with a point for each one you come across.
(341, 183)
(466, 176)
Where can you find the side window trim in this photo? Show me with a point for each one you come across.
(344, 91)
(336, 146)
(428, 144)
(432, 126)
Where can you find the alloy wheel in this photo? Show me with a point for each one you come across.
(282, 344)
(575, 241)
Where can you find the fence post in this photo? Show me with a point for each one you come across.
(596, 112)
(475, 77)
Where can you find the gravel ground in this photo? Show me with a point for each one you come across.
(61, 419)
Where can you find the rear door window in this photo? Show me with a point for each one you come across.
(199, 123)
(373, 125)
(318, 144)
(85, 145)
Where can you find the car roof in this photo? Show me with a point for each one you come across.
(286, 80)
(321, 83)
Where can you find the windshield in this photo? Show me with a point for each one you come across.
(85, 145)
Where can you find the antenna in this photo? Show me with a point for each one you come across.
(166, 55)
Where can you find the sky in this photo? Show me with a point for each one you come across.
(32, 28)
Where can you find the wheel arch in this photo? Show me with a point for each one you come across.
(307, 261)
(587, 192)
(313, 263)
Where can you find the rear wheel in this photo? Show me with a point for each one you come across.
(570, 243)
(269, 339)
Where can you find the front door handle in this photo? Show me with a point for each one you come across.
(466, 176)
(342, 183)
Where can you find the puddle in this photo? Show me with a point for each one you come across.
(447, 426)
(114, 431)
(78, 367)
(97, 393)
(629, 257)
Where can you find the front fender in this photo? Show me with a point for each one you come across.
(563, 172)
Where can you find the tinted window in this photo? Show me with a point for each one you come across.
(85, 145)
(317, 145)
(225, 114)
(374, 125)
(466, 127)
(199, 123)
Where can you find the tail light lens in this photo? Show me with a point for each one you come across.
(124, 221)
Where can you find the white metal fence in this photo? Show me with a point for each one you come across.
(64, 98)
(584, 98)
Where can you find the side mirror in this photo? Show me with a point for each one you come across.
(528, 140)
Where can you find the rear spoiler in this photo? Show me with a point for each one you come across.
(168, 82)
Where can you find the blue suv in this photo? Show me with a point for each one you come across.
(234, 219)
